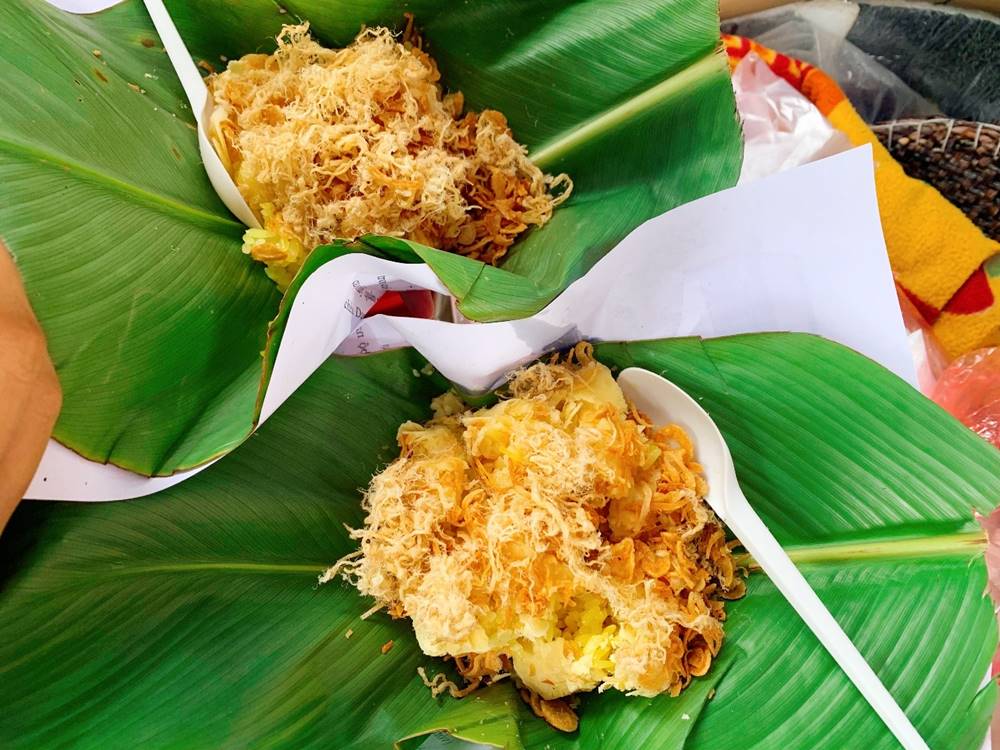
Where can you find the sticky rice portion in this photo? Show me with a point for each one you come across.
(330, 144)
(557, 536)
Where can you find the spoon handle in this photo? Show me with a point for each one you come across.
(180, 58)
(766, 551)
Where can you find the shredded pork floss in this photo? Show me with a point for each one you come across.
(556, 536)
(329, 144)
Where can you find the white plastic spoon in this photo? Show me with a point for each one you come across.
(665, 403)
(201, 107)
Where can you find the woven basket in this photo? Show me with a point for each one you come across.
(961, 159)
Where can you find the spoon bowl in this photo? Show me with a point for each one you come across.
(201, 106)
(664, 403)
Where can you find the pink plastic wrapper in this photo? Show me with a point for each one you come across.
(969, 389)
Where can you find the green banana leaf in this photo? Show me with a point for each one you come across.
(154, 318)
(192, 619)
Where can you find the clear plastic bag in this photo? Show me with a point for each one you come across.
(781, 127)
(816, 32)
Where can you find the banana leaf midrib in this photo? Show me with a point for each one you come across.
(156, 200)
(549, 153)
(949, 545)
(959, 544)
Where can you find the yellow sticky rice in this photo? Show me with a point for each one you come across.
(556, 534)
(330, 144)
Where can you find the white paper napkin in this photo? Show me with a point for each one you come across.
(798, 251)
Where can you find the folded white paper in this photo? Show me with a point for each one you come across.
(797, 251)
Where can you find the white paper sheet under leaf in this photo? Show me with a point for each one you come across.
(797, 251)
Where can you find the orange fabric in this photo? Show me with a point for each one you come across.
(937, 254)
